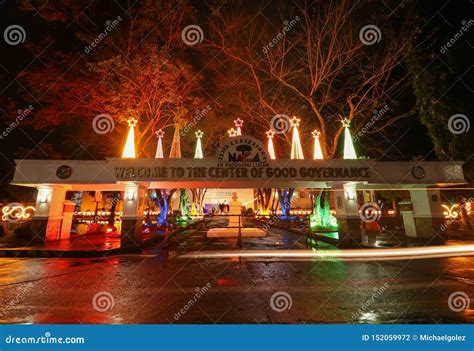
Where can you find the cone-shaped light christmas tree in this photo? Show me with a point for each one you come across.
(317, 152)
(198, 152)
(129, 149)
(296, 150)
(159, 148)
(271, 149)
(349, 150)
(175, 151)
(238, 126)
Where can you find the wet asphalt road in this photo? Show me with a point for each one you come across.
(161, 287)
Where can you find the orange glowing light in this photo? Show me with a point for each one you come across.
(452, 212)
(129, 149)
(232, 132)
(17, 212)
(271, 148)
(295, 122)
(296, 149)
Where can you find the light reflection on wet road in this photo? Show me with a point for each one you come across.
(154, 288)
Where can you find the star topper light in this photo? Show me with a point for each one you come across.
(160, 133)
(270, 134)
(315, 133)
(346, 122)
(132, 122)
(295, 122)
(239, 123)
(199, 134)
(232, 132)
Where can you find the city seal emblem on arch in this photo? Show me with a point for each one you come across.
(242, 151)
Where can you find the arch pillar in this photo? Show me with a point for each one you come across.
(132, 215)
(423, 215)
(46, 223)
(348, 217)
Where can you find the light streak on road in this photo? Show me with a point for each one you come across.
(414, 253)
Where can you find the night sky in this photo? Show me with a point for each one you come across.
(436, 83)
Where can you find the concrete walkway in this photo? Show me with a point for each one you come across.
(196, 240)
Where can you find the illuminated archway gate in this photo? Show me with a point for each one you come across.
(240, 162)
(134, 177)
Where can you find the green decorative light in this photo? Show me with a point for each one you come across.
(321, 218)
(183, 219)
(183, 206)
